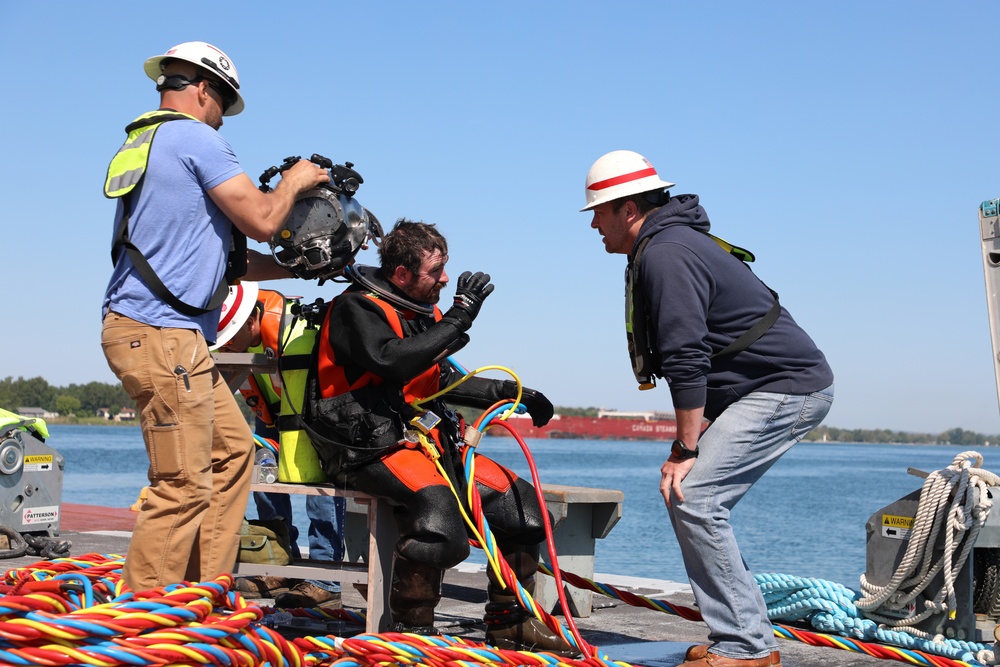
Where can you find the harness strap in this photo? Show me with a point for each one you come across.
(156, 285)
(751, 335)
(638, 323)
(122, 242)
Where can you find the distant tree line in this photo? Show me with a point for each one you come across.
(955, 436)
(81, 400)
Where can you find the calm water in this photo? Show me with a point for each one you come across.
(806, 517)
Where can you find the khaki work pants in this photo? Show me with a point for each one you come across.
(200, 450)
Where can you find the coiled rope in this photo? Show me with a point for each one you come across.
(828, 607)
(955, 501)
(76, 611)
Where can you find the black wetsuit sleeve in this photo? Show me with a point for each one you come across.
(476, 392)
(361, 335)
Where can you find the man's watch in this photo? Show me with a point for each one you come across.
(680, 450)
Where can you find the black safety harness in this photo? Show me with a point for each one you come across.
(639, 327)
(236, 261)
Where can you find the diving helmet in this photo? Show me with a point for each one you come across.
(326, 227)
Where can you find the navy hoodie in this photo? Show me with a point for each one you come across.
(700, 299)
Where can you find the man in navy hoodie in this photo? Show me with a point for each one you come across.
(700, 319)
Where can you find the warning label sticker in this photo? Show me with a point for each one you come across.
(38, 462)
(34, 515)
(896, 527)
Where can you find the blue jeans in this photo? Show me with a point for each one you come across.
(326, 520)
(734, 452)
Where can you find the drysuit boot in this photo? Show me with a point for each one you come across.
(508, 625)
(415, 592)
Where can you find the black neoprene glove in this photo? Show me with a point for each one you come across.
(472, 290)
(539, 407)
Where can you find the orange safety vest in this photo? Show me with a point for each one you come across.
(262, 391)
(333, 380)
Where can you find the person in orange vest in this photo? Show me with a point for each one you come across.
(252, 321)
(384, 345)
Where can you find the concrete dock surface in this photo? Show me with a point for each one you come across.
(624, 633)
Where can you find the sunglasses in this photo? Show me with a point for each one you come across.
(179, 82)
(227, 94)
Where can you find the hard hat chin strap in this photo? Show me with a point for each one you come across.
(175, 82)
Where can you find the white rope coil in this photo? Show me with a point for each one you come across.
(954, 500)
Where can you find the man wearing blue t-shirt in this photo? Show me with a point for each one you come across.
(184, 203)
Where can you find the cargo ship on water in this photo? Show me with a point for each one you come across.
(607, 425)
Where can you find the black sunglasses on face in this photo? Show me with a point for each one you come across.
(226, 93)
(179, 82)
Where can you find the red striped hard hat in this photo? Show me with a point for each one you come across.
(619, 174)
(236, 309)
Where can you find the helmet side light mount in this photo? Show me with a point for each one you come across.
(327, 226)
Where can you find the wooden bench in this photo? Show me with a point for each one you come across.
(379, 529)
(581, 516)
(380, 538)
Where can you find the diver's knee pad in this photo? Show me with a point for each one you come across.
(432, 530)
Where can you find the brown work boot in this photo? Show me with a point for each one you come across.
(699, 651)
(712, 660)
(413, 596)
(305, 595)
(510, 627)
(696, 652)
(255, 587)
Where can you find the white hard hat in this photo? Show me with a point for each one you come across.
(619, 174)
(208, 57)
(236, 309)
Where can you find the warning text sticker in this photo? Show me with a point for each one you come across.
(896, 527)
(38, 462)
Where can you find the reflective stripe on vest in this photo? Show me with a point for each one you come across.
(262, 391)
(129, 163)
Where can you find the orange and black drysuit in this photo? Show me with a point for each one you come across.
(376, 356)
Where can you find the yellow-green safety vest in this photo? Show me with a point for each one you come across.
(297, 458)
(129, 164)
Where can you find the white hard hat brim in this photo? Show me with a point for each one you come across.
(242, 298)
(618, 192)
(153, 69)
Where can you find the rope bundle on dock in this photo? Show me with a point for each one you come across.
(76, 611)
(953, 507)
(827, 607)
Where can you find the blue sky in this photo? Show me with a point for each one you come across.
(847, 144)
